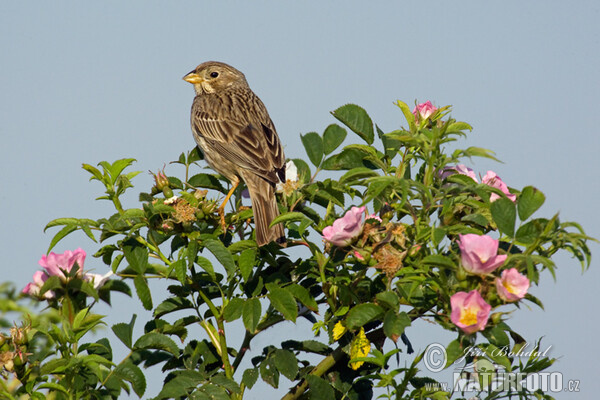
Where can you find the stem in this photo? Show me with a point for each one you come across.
(319, 370)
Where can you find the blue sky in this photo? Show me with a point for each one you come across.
(82, 83)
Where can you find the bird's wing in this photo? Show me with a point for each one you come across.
(238, 126)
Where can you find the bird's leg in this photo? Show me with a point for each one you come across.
(221, 210)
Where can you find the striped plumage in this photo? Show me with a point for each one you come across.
(233, 128)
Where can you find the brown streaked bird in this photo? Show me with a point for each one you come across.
(233, 129)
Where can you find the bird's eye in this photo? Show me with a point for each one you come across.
(214, 74)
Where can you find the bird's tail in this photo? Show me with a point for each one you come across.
(264, 206)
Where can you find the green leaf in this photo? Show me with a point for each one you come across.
(454, 350)
(283, 301)
(333, 137)
(233, 309)
(251, 314)
(60, 235)
(394, 324)
(529, 201)
(125, 331)
(314, 147)
(320, 389)
(389, 299)
(439, 260)
(132, 373)
(246, 262)
(222, 254)
(207, 266)
(172, 304)
(528, 233)
(158, 341)
(357, 119)
(303, 296)
(136, 255)
(206, 181)
(250, 377)
(180, 268)
(289, 217)
(346, 159)
(504, 214)
(286, 363)
(358, 175)
(143, 291)
(410, 117)
(361, 314)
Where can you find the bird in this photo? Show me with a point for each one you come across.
(233, 129)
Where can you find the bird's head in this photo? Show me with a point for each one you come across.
(212, 76)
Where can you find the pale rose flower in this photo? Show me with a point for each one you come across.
(59, 264)
(97, 280)
(344, 230)
(493, 180)
(33, 288)
(479, 253)
(424, 110)
(291, 180)
(512, 285)
(470, 312)
(459, 169)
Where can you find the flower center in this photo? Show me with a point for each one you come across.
(510, 288)
(468, 317)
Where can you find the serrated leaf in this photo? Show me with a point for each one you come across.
(143, 291)
(180, 268)
(157, 341)
(346, 159)
(358, 174)
(206, 181)
(124, 331)
(303, 296)
(288, 217)
(333, 137)
(136, 255)
(357, 119)
(320, 389)
(233, 309)
(250, 377)
(222, 254)
(286, 363)
(504, 214)
(172, 304)
(314, 147)
(528, 233)
(389, 299)
(410, 117)
(60, 235)
(133, 374)
(246, 262)
(361, 314)
(251, 314)
(529, 201)
(283, 301)
(304, 174)
(394, 324)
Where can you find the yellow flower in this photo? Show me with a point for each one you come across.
(360, 347)
(338, 330)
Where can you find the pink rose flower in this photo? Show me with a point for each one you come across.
(493, 180)
(33, 288)
(512, 285)
(459, 169)
(470, 312)
(344, 230)
(59, 264)
(424, 110)
(375, 217)
(479, 253)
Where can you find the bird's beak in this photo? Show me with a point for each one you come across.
(193, 77)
